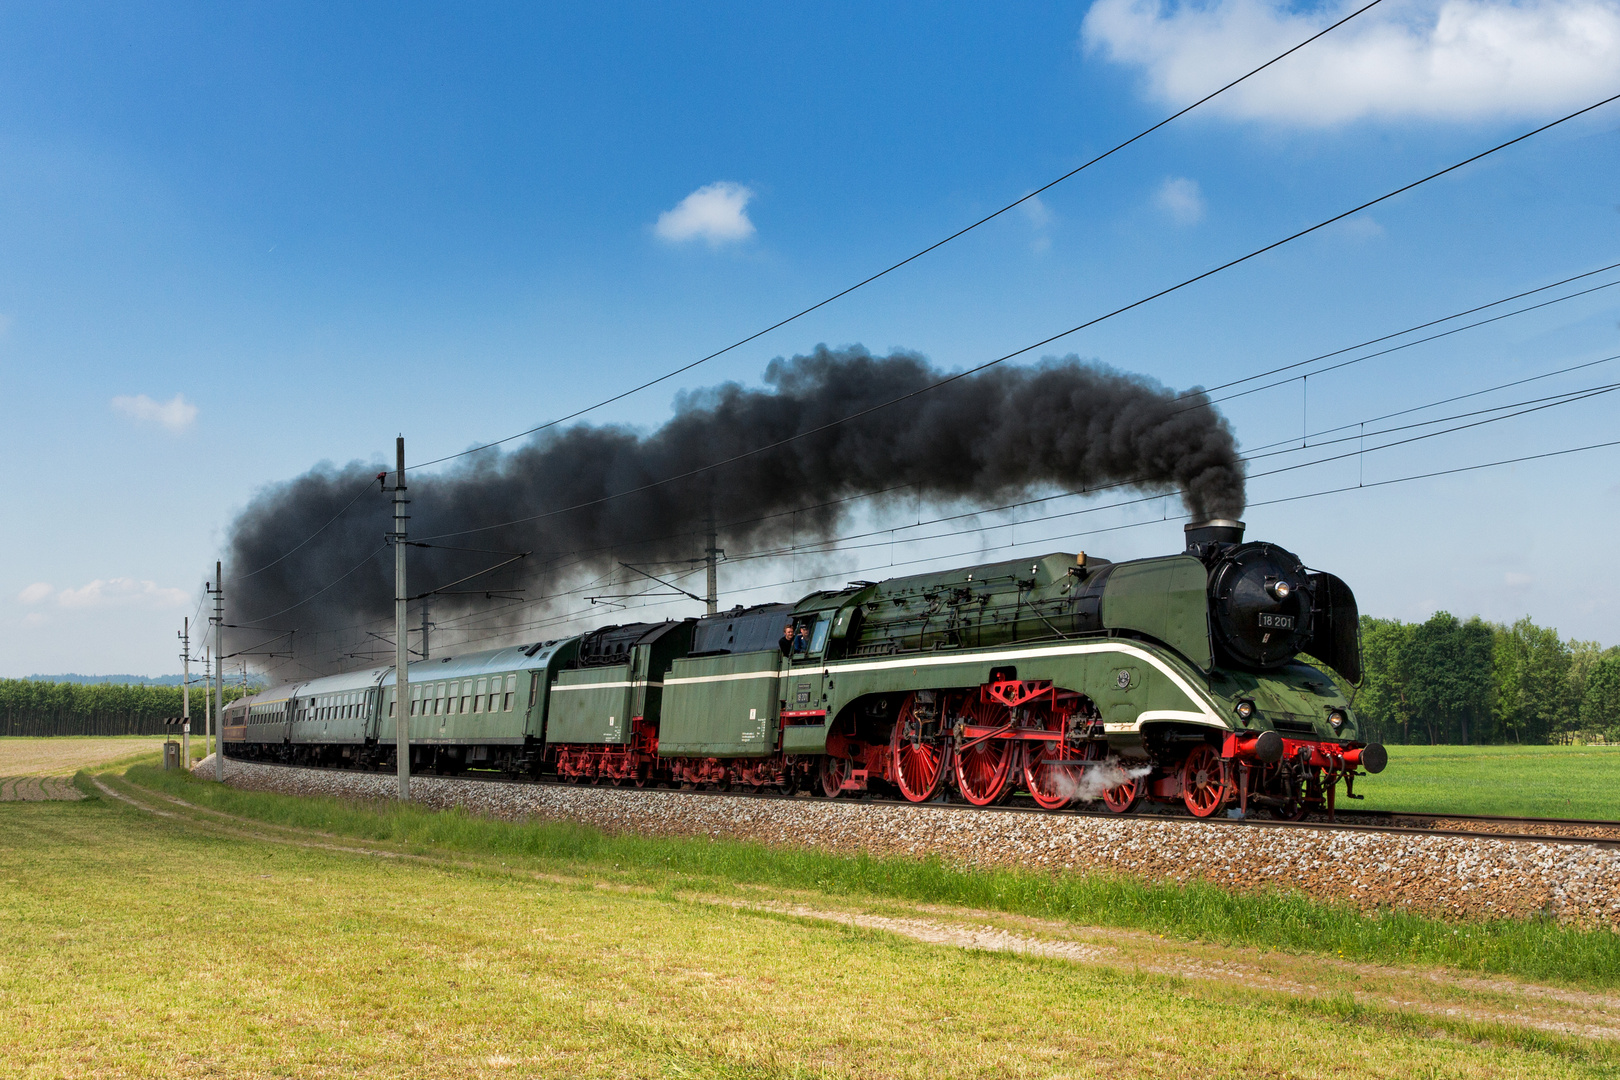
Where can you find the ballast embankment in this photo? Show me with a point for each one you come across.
(1449, 876)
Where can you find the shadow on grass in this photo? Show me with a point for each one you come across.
(1536, 949)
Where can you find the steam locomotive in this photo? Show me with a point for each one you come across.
(1190, 679)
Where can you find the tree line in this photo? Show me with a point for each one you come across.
(1451, 681)
(63, 708)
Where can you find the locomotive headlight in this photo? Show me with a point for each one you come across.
(1336, 718)
(1245, 710)
(1281, 589)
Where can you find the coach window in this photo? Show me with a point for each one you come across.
(466, 696)
(438, 701)
(478, 695)
(511, 692)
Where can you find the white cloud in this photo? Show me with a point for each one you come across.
(175, 414)
(35, 593)
(1040, 218)
(1181, 199)
(1433, 59)
(1036, 212)
(121, 592)
(1361, 227)
(716, 213)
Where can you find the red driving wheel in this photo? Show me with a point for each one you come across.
(985, 766)
(1203, 781)
(1051, 770)
(917, 751)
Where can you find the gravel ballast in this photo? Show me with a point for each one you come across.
(1454, 877)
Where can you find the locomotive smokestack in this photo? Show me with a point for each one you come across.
(1213, 531)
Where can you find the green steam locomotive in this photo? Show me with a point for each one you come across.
(1196, 678)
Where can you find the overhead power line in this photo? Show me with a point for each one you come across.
(1414, 329)
(850, 573)
(1044, 341)
(826, 546)
(910, 258)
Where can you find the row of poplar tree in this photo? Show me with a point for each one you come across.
(1453, 681)
(30, 707)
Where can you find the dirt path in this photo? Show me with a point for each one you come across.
(1436, 993)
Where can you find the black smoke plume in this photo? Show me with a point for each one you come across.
(984, 438)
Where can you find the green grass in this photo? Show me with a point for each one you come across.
(1532, 949)
(138, 946)
(1511, 781)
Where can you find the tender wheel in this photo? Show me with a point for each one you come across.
(917, 754)
(985, 767)
(834, 771)
(1203, 782)
(1051, 784)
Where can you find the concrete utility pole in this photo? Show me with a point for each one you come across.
(219, 662)
(402, 640)
(185, 693)
(711, 556)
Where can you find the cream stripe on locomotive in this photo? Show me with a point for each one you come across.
(733, 677)
(555, 687)
(1204, 715)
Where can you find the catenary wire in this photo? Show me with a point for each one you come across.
(1420, 326)
(822, 548)
(911, 258)
(553, 620)
(1045, 341)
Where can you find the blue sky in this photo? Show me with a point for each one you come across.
(323, 225)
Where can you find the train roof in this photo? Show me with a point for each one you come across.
(1044, 569)
(510, 658)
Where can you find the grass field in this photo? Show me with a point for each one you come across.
(33, 769)
(1512, 781)
(1532, 949)
(193, 944)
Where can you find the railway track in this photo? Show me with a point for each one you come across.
(1602, 834)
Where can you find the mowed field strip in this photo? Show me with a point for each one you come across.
(33, 769)
(145, 934)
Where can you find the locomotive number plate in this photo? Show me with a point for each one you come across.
(1276, 622)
